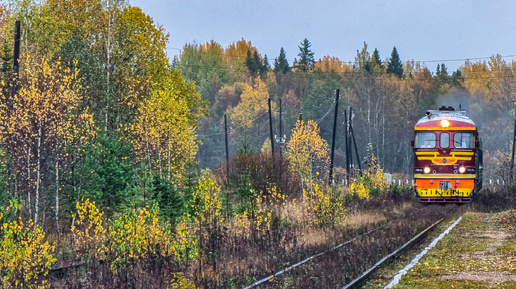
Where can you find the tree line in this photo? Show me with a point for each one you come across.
(388, 96)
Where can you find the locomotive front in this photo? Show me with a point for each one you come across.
(448, 157)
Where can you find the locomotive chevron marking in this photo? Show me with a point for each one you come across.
(434, 157)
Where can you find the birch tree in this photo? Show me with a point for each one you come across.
(307, 151)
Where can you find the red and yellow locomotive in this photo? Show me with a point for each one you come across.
(448, 157)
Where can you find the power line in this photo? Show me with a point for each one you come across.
(330, 109)
(464, 59)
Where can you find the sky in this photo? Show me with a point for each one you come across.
(428, 31)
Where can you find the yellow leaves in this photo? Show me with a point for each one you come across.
(165, 127)
(136, 234)
(322, 206)
(207, 202)
(332, 64)
(24, 255)
(254, 101)
(373, 179)
(306, 149)
(358, 188)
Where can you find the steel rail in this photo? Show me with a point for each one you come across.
(308, 259)
(364, 275)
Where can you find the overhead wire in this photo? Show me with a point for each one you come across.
(330, 109)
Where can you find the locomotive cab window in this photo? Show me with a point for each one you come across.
(464, 140)
(444, 140)
(425, 140)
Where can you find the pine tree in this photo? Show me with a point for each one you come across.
(306, 57)
(394, 64)
(281, 63)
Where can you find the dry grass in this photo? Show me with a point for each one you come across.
(365, 218)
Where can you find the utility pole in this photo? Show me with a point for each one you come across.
(513, 146)
(356, 149)
(271, 133)
(346, 136)
(227, 144)
(281, 140)
(350, 125)
(330, 181)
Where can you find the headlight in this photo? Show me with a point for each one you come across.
(445, 123)
(426, 170)
(462, 170)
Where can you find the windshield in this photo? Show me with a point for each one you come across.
(464, 140)
(425, 140)
(444, 140)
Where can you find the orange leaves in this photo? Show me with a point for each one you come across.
(332, 64)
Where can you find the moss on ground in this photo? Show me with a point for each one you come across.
(480, 252)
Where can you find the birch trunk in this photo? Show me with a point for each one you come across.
(57, 195)
(38, 175)
(29, 182)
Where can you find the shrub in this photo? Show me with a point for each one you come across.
(373, 182)
(324, 206)
(25, 258)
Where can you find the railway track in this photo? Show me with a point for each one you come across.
(351, 262)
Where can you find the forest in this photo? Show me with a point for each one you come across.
(116, 154)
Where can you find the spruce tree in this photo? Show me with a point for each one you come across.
(264, 67)
(444, 70)
(376, 61)
(281, 63)
(306, 56)
(251, 63)
(394, 64)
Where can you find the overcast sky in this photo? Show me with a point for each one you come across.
(447, 31)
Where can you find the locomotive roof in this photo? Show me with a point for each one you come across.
(458, 120)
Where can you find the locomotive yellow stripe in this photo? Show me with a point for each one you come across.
(446, 128)
(462, 153)
(435, 153)
(444, 176)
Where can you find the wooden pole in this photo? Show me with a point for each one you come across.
(330, 179)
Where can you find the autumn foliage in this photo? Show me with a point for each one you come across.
(113, 156)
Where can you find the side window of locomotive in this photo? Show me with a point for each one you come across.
(464, 140)
(444, 140)
(425, 140)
